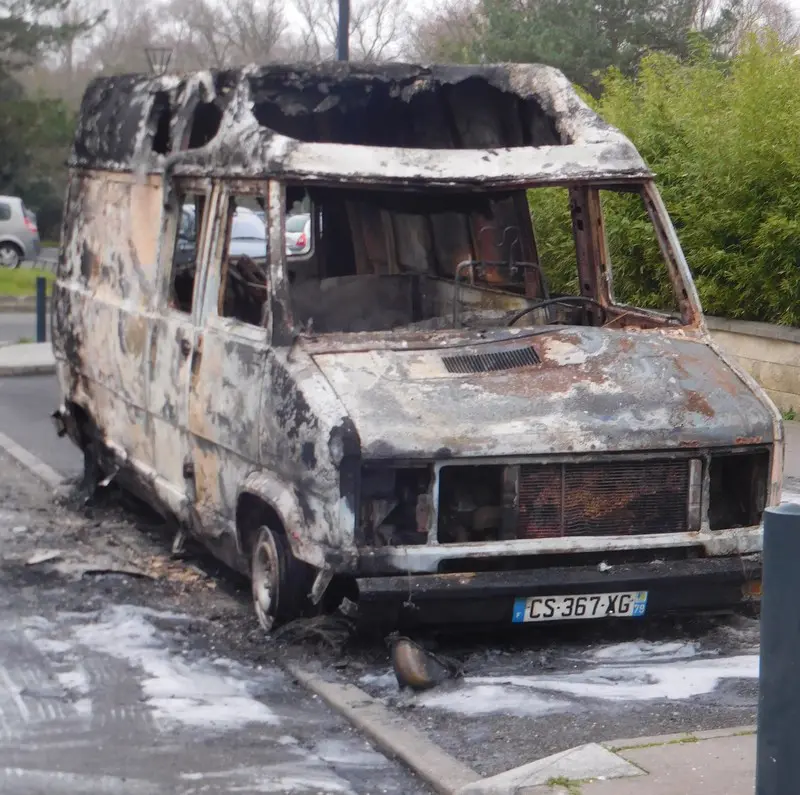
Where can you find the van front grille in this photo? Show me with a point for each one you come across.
(596, 499)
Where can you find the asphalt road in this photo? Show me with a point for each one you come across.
(116, 685)
(16, 326)
(25, 407)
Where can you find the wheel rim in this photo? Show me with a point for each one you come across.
(264, 586)
(9, 257)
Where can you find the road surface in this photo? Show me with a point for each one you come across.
(115, 685)
(26, 403)
(16, 326)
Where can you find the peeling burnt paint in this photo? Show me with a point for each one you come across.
(291, 408)
(338, 413)
(288, 120)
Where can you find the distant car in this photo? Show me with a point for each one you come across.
(298, 234)
(19, 234)
(248, 235)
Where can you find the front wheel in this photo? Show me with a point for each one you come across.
(10, 256)
(280, 582)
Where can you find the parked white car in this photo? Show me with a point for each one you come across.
(19, 234)
(298, 234)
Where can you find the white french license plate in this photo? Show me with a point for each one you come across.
(625, 604)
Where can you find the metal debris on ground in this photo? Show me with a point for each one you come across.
(418, 668)
(120, 572)
(332, 630)
(164, 569)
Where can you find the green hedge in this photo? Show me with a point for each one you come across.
(724, 142)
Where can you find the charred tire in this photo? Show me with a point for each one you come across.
(280, 582)
(10, 255)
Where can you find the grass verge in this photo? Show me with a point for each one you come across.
(22, 281)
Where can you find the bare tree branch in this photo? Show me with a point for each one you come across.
(375, 27)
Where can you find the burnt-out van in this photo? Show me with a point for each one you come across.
(417, 410)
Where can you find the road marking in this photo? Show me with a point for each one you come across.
(31, 462)
(16, 697)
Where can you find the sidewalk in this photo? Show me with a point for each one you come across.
(710, 763)
(32, 358)
(718, 762)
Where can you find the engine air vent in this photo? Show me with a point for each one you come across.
(508, 359)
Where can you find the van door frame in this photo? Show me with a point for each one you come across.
(173, 343)
(225, 389)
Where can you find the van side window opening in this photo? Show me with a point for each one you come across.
(423, 261)
(639, 275)
(244, 266)
(191, 207)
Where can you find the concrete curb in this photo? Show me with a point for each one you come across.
(23, 304)
(27, 369)
(32, 463)
(393, 735)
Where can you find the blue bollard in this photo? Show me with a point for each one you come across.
(778, 742)
(41, 309)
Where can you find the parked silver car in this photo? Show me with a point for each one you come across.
(248, 234)
(298, 234)
(19, 235)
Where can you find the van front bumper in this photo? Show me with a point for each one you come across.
(693, 585)
(429, 558)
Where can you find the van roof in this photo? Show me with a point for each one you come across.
(334, 122)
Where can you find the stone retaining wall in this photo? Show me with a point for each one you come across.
(771, 354)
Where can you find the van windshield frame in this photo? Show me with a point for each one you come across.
(381, 249)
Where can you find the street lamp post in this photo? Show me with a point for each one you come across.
(158, 59)
(343, 32)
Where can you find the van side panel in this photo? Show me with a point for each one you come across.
(108, 275)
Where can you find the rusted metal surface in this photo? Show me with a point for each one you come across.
(335, 407)
(408, 122)
(593, 391)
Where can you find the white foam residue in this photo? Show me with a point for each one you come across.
(75, 680)
(273, 779)
(385, 681)
(193, 694)
(39, 631)
(287, 739)
(643, 651)
(349, 754)
(77, 683)
(486, 699)
(638, 682)
(658, 678)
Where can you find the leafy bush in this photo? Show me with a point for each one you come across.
(724, 142)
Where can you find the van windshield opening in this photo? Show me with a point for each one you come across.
(389, 260)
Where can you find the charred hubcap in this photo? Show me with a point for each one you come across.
(264, 583)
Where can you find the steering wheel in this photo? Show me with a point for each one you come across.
(567, 299)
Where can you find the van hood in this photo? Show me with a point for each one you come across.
(579, 390)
